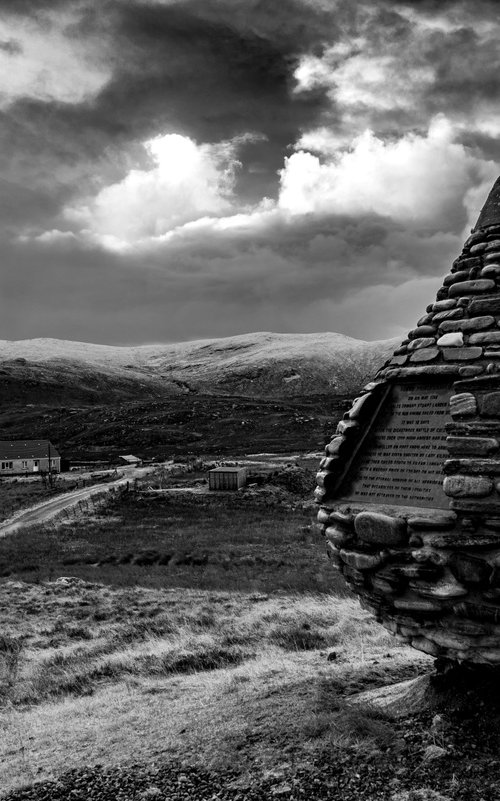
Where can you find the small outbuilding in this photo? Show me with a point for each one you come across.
(27, 456)
(227, 478)
(132, 461)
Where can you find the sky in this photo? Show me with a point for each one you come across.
(184, 169)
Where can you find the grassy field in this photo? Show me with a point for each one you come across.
(195, 629)
(16, 495)
(99, 674)
(244, 541)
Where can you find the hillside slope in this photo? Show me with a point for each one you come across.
(254, 365)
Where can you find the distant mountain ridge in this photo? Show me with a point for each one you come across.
(257, 365)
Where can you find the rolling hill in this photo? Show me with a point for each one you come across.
(250, 393)
(48, 371)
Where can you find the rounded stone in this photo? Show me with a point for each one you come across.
(453, 278)
(432, 520)
(345, 519)
(493, 244)
(361, 561)
(421, 342)
(335, 447)
(485, 338)
(466, 326)
(358, 406)
(347, 427)
(463, 405)
(338, 536)
(491, 271)
(469, 569)
(443, 305)
(380, 529)
(474, 287)
(467, 486)
(455, 339)
(422, 331)
(421, 355)
(444, 588)
(470, 371)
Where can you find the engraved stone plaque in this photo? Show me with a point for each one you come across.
(400, 461)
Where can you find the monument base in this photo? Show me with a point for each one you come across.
(450, 688)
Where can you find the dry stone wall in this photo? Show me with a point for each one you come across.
(432, 576)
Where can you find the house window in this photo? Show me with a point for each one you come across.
(53, 463)
(24, 464)
(7, 465)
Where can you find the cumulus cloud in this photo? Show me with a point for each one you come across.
(184, 182)
(422, 179)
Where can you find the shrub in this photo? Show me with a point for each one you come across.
(296, 480)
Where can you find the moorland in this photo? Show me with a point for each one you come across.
(173, 643)
(185, 644)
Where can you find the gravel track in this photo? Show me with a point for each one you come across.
(48, 510)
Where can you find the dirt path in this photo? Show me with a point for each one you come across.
(47, 510)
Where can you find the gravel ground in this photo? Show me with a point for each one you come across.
(469, 770)
(450, 753)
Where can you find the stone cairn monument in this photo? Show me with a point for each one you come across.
(409, 488)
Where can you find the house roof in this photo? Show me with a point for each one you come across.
(130, 458)
(27, 449)
(226, 469)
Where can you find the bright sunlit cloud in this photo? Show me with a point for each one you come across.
(415, 178)
(186, 181)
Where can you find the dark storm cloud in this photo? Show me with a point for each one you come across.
(209, 70)
(213, 70)
(445, 59)
(274, 277)
(216, 69)
(32, 7)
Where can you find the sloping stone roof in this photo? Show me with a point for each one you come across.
(27, 449)
(459, 334)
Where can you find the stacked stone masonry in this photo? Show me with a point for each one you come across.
(432, 576)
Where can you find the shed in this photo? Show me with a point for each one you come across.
(227, 478)
(20, 457)
(133, 461)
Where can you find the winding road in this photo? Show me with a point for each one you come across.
(47, 510)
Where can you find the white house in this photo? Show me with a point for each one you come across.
(25, 456)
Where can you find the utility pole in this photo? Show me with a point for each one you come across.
(50, 466)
